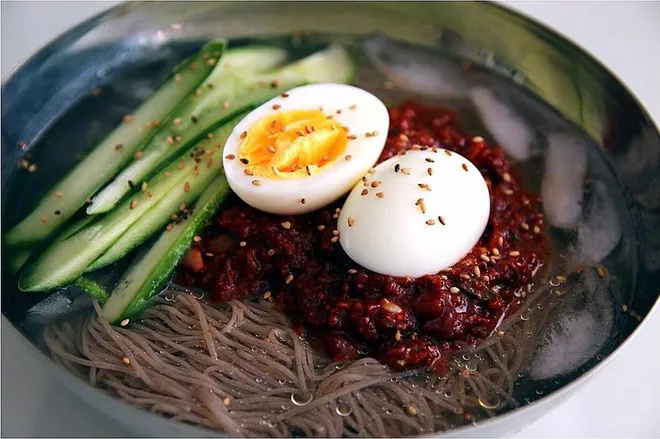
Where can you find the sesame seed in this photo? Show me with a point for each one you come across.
(32, 168)
(506, 177)
(448, 152)
(288, 279)
(465, 373)
(401, 362)
(405, 171)
(170, 140)
(429, 171)
(464, 166)
(335, 232)
(464, 276)
(186, 187)
(524, 226)
(285, 95)
(412, 411)
(267, 295)
(226, 400)
(380, 194)
(485, 278)
(58, 212)
(177, 138)
(537, 229)
(601, 272)
(348, 157)
(500, 241)
(271, 149)
(321, 227)
(133, 204)
(198, 93)
(276, 107)
(430, 222)
(270, 252)
(334, 239)
(210, 255)
(302, 201)
(244, 161)
(335, 216)
(364, 192)
(351, 221)
(371, 170)
(126, 360)
(514, 253)
(242, 243)
(477, 271)
(442, 220)
(44, 219)
(495, 251)
(144, 186)
(88, 201)
(624, 308)
(484, 258)
(176, 121)
(454, 290)
(352, 137)
(226, 105)
(248, 172)
(416, 147)
(167, 173)
(197, 238)
(169, 227)
(275, 83)
(24, 164)
(128, 118)
(138, 155)
(181, 164)
(286, 225)
(375, 183)
(397, 336)
(397, 167)
(477, 139)
(256, 182)
(401, 153)
(507, 191)
(124, 322)
(211, 62)
(352, 271)
(58, 194)
(429, 160)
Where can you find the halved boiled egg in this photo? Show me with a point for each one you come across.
(415, 214)
(305, 148)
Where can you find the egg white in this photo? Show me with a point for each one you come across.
(285, 197)
(390, 235)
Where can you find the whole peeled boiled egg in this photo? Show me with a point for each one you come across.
(415, 214)
(306, 148)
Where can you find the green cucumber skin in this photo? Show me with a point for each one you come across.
(159, 148)
(199, 114)
(65, 260)
(159, 215)
(146, 278)
(81, 182)
(93, 289)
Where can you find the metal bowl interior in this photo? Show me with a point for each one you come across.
(48, 94)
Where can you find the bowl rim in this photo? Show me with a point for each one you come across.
(556, 396)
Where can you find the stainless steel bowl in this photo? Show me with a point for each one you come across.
(544, 65)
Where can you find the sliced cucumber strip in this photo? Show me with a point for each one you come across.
(152, 270)
(113, 152)
(93, 289)
(160, 215)
(66, 259)
(238, 86)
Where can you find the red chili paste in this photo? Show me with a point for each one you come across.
(405, 323)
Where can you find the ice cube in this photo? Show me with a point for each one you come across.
(511, 131)
(600, 230)
(565, 168)
(579, 328)
(415, 69)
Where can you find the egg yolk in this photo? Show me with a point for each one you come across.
(292, 144)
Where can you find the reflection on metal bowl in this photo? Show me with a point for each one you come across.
(576, 132)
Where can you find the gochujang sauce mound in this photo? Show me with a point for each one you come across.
(406, 323)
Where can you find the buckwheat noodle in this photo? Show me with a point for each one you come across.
(242, 370)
